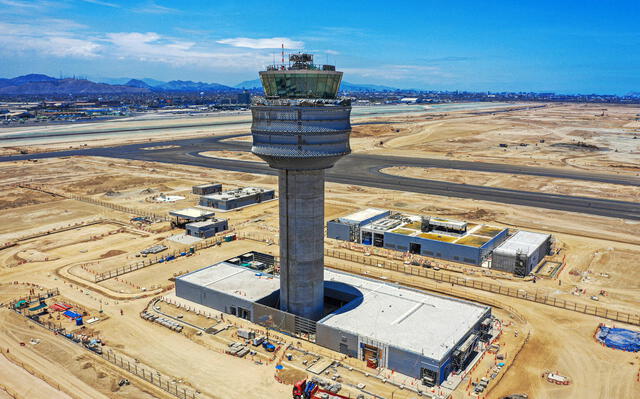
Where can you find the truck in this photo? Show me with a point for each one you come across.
(309, 390)
(268, 346)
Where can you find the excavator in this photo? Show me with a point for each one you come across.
(304, 390)
(308, 390)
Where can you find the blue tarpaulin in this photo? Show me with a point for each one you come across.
(619, 338)
(42, 305)
(71, 315)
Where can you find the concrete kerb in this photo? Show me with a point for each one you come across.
(64, 273)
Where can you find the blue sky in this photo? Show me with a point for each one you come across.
(564, 46)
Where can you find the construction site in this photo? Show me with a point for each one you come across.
(258, 269)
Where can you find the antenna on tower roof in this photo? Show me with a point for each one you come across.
(282, 55)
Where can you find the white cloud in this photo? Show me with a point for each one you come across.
(19, 4)
(48, 38)
(274, 42)
(61, 38)
(154, 8)
(102, 3)
(154, 47)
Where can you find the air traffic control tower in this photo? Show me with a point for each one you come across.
(301, 128)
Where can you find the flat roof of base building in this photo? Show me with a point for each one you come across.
(426, 324)
(411, 320)
(525, 242)
(233, 280)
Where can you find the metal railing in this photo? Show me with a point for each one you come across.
(154, 377)
(149, 262)
(146, 373)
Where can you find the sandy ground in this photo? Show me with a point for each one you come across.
(240, 156)
(600, 253)
(18, 379)
(67, 366)
(548, 136)
(521, 182)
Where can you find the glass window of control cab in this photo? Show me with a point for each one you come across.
(301, 83)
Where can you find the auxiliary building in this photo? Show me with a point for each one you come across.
(421, 335)
(521, 253)
(237, 198)
(198, 222)
(207, 188)
(435, 237)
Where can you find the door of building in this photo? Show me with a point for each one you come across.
(414, 248)
(371, 355)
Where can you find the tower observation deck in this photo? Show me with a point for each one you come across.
(301, 128)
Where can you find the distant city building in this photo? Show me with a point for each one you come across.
(244, 97)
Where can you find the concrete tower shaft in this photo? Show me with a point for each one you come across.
(301, 129)
(301, 242)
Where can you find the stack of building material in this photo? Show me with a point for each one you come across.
(170, 324)
(238, 349)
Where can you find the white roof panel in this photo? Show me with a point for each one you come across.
(523, 241)
(237, 281)
(191, 213)
(394, 315)
(362, 215)
(412, 320)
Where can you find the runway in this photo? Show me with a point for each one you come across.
(364, 170)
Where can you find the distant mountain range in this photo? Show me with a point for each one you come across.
(37, 84)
